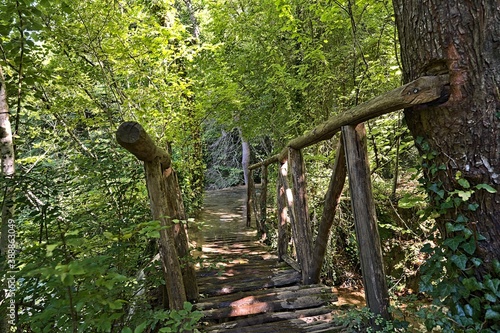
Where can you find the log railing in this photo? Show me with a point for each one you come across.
(166, 207)
(351, 158)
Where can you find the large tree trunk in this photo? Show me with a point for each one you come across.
(461, 38)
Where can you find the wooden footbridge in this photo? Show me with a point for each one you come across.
(244, 287)
(240, 286)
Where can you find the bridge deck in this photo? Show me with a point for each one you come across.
(245, 288)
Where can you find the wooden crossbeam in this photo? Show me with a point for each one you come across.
(425, 89)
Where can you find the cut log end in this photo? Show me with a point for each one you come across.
(132, 136)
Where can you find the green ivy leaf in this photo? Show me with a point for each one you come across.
(472, 284)
(490, 297)
(459, 260)
(126, 330)
(496, 266)
(467, 233)
(486, 187)
(476, 261)
(450, 227)
(454, 242)
(464, 195)
(473, 207)
(492, 315)
(464, 183)
(469, 311)
(493, 285)
(470, 246)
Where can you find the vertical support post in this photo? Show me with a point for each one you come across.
(171, 266)
(263, 202)
(175, 210)
(332, 199)
(302, 230)
(365, 220)
(283, 220)
(250, 191)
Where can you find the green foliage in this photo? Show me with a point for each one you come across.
(74, 72)
(465, 300)
(173, 321)
(362, 320)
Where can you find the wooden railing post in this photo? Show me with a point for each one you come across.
(302, 233)
(332, 199)
(365, 220)
(159, 176)
(263, 202)
(250, 196)
(283, 219)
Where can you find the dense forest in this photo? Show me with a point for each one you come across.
(221, 84)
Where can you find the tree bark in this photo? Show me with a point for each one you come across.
(7, 156)
(459, 38)
(245, 158)
(6, 142)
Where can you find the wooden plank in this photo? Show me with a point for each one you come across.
(285, 279)
(252, 306)
(264, 296)
(302, 233)
(332, 199)
(365, 220)
(290, 261)
(272, 317)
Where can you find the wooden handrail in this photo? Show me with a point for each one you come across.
(423, 90)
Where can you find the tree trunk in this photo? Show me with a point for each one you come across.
(245, 158)
(6, 142)
(459, 38)
(7, 156)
